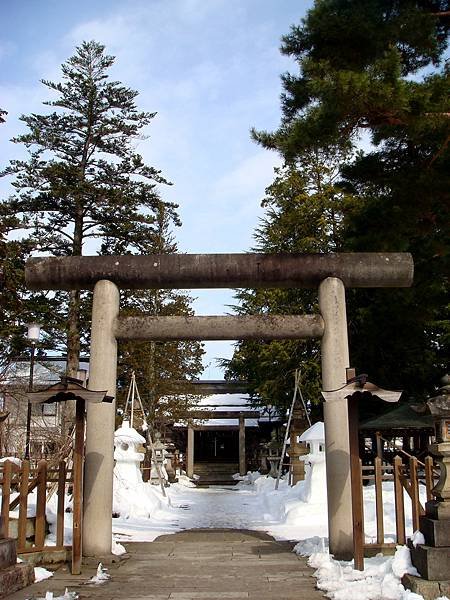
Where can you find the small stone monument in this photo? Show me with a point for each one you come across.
(169, 463)
(432, 559)
(274, 454)
(159, 455)
(263, 454)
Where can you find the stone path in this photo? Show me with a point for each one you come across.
(200, 564)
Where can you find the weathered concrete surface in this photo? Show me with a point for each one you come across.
(210, 564)
(363, 269)
(335, 360)
(15, 578)
(241, 327)
(98, 471)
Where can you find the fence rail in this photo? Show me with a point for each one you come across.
(23, 480)
(406, 477)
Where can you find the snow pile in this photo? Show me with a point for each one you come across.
(380, 578)
(417, 538)
(40, 574)
(117, 549)
(131, 497)
(66, 596)
(100, 577)
(292, 512)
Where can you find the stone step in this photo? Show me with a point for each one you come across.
(8, 553)
(15, 578)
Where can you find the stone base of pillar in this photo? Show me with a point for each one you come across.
(428, 589)
(431, 562)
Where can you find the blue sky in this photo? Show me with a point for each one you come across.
(210, 68)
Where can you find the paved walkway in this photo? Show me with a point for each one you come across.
(202, 564)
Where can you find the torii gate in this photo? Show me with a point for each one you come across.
(331, 273)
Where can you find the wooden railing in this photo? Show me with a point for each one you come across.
(405, 477)
(22, 481)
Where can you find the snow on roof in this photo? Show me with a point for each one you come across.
(46, 371)
(223, 422)
(238, 402)
(314, 433)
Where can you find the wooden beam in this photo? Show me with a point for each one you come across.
(224, 414)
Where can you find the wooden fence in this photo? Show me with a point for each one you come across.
(47, 480)
(406, 476)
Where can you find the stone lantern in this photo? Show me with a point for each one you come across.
(432, 559)
(159, 452)
(274, 454)
(263, 454)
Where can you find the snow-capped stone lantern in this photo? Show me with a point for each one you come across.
(314, 438)
(128, 454)
(315, 485)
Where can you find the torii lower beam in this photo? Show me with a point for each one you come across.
(268, 327)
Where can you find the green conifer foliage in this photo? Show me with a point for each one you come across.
(84, 179)
(372, 75)
(304, 214)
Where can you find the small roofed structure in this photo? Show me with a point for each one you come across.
(314, 438)
(407, 426)
(68, 388)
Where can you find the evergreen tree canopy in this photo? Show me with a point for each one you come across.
(374, 72)
(83, 178)
(359, 63)
(304, 213)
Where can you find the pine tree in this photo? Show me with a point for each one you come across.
(83, 179)
(376, 69)
(160, 367)
(304, 213)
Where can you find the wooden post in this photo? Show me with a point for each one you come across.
(356, 484)
(23, 501)
(379, 445)
(379, 500)
(40, 524)
(429, 480)
(60, 509)
(399, 502)
(6, 494)
(415, 501)
(190, 452)
(242, 462)
(78, 458)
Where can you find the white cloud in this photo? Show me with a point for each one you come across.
(210, 68)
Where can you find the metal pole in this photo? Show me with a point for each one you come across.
(30, 389)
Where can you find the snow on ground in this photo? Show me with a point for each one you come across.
(298, 513)
(293, 513)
